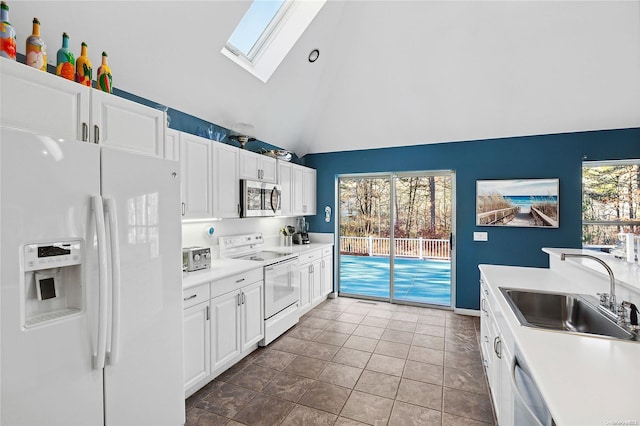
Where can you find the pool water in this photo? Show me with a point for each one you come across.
(422, 281)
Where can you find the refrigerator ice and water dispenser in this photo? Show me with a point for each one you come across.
(52, 281)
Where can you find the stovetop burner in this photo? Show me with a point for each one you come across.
(247, 247)
(263, 256)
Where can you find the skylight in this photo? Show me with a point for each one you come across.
(256, 25)
(267, 32)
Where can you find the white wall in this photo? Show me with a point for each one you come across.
(390, 73)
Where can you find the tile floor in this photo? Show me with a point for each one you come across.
(355, 362)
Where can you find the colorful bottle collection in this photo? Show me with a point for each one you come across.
(7, 34)
(36, 49)
(67, 66)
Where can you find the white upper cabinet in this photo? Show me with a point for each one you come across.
(309, 191)
(303, 191)
(40, 102)
(120, 123)
(257, 167)
(195, 164)
(285, 179)
(172, 145)
(226, 183)
(63, 109)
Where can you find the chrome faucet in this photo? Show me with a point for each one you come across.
(606, 300)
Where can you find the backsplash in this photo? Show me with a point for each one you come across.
(194, 233)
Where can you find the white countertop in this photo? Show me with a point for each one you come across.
(222, 268)
(584, 380)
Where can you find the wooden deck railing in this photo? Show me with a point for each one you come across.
(494, 216)
(405, 247)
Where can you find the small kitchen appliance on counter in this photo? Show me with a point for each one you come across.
(196, 258)
(301, 236)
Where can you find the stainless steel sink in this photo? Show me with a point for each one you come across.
(566, 312)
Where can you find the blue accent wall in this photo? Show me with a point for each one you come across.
(547, 156)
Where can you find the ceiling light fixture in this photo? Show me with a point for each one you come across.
(313, 56)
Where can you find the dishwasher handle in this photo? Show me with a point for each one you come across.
(526, 403)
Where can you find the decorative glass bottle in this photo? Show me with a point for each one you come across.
(7, 34)
(36, 49)
(104, 79)
(84, 70)
(65, 61)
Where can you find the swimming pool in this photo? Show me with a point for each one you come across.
(423, 281)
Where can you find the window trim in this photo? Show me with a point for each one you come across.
(266, 34)
(286, 33)
(605, 163)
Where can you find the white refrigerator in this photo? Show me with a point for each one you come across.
(90, 290)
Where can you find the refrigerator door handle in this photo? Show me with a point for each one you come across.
(101, 340)
(112, 349)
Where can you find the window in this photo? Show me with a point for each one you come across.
(610, 201)
(267, 32)
(256, 26)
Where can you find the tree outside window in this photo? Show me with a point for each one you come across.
(610, 202)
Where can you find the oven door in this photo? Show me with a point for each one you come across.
(252, 196)
(281, 286)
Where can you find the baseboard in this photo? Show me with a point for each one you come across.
(470, 312)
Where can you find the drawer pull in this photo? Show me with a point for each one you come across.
(240, 280)
(190, 297)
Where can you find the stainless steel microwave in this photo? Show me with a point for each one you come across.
(260, 199)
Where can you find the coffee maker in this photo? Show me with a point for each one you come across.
(301, 236)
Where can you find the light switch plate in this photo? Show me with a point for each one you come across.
(480, 236)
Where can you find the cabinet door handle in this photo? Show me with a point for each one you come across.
(96, 134)
(184, 209)
(208, 314)
(238, 296)
(85, 132)
(323, 263)
(244, 298)
(190, 297)
(482, 304)
(497, 346)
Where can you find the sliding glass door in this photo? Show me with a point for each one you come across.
(395, 233)
(364, 225)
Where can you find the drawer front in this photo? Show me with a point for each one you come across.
(327, 251)
(234, 282)
(310, 256)
(195, 295)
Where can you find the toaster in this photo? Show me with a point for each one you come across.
(196, 258)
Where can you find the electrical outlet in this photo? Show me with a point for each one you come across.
(480, 236)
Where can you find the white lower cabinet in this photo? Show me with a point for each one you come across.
(326, 276)
(314, 282)
(224, 328)
(197, 348)
(497, 357)
(225, 332)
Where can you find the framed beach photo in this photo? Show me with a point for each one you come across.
(529, 203)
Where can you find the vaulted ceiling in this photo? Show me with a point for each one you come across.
(390, 73)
